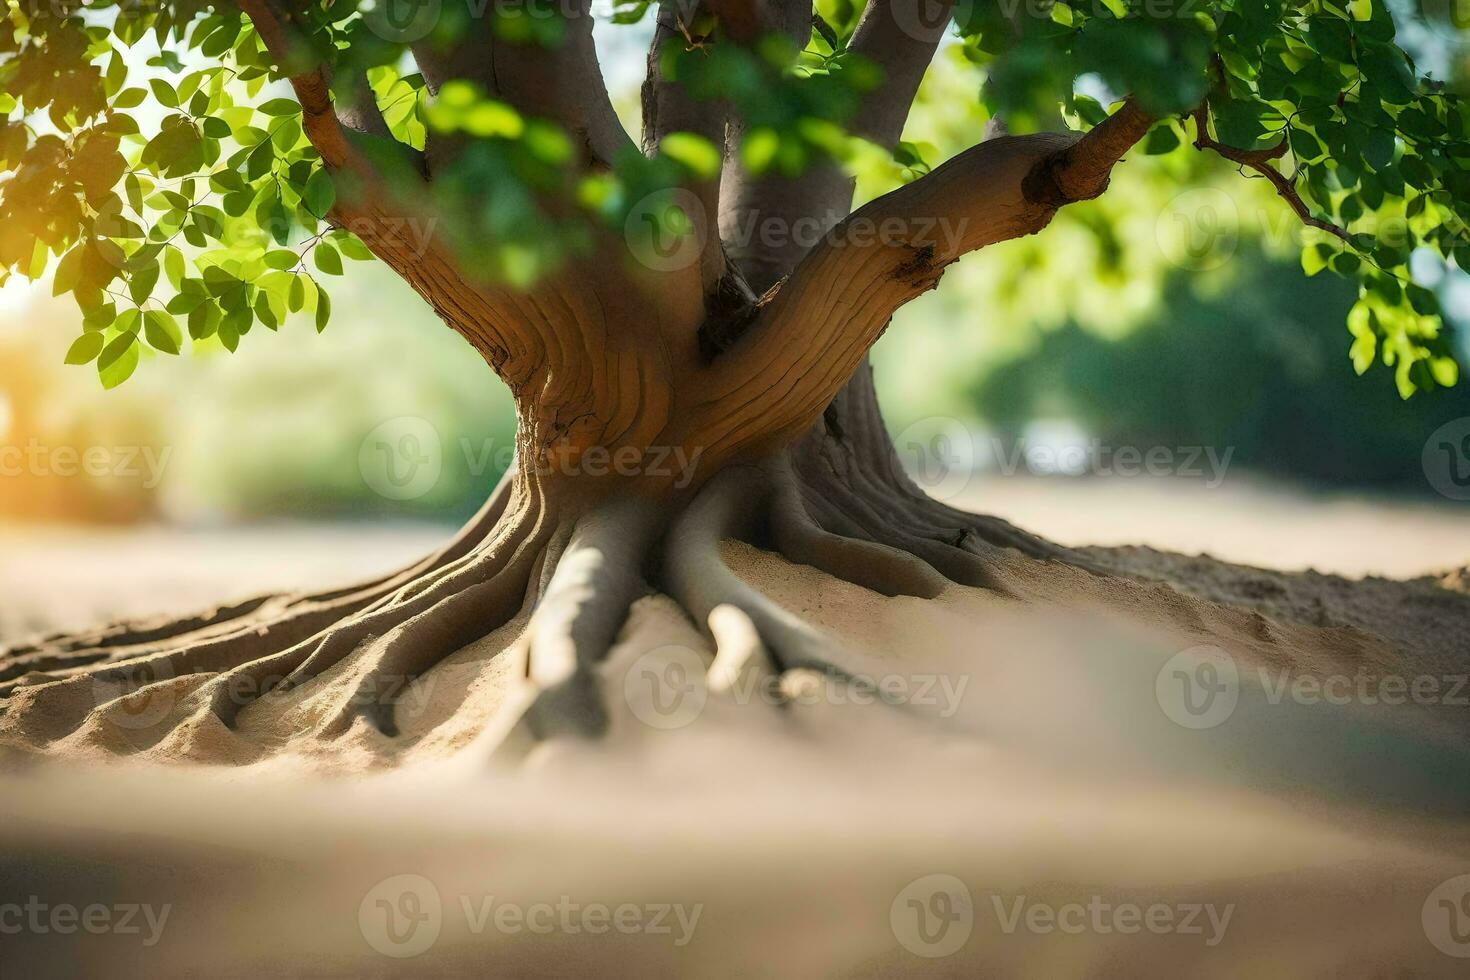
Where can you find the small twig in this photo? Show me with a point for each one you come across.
(1259, 161)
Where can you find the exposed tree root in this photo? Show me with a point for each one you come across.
(342, 661)
(252, 628)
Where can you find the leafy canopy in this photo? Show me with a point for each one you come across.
(152, 161)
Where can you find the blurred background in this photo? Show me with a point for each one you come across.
(1155, 368)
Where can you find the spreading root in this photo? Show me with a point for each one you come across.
(340, 668)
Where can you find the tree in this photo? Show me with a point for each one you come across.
(704, 296)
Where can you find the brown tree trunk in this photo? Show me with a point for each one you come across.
(732, 364)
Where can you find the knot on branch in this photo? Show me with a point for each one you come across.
(1055, 182)
(919, 270)
(730, 307)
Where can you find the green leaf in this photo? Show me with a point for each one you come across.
(280, 107)
(173, 266)
(164, 92)
(129, 98)
(697, 154)
(85, 348)
(323, 309)
(68, 272)
(118, 361)
(162, 332)
(203, 320)
(142, 281)
(320, 194)
(327, 259)
(1161, 139)
(281, 258)
(352, 247)
(1315, 258)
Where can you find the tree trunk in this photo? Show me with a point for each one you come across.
(618, 368)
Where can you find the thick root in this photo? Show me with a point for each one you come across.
(582, 605)
(338, 663)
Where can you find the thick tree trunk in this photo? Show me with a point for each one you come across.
(660, 412)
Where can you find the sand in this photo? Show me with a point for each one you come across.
(1043, 794)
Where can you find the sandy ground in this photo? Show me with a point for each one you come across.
(1047, 792)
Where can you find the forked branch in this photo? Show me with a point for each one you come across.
(1260, 162)
(326, 124)
(836, 304)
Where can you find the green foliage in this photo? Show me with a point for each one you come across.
(1369, 145)
(190, 201)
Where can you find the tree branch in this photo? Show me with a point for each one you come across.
(310, 73)
(1259, 161)
(900, 37)
(562, 83)
(393, 218)
(838, 302)
(669, 108)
